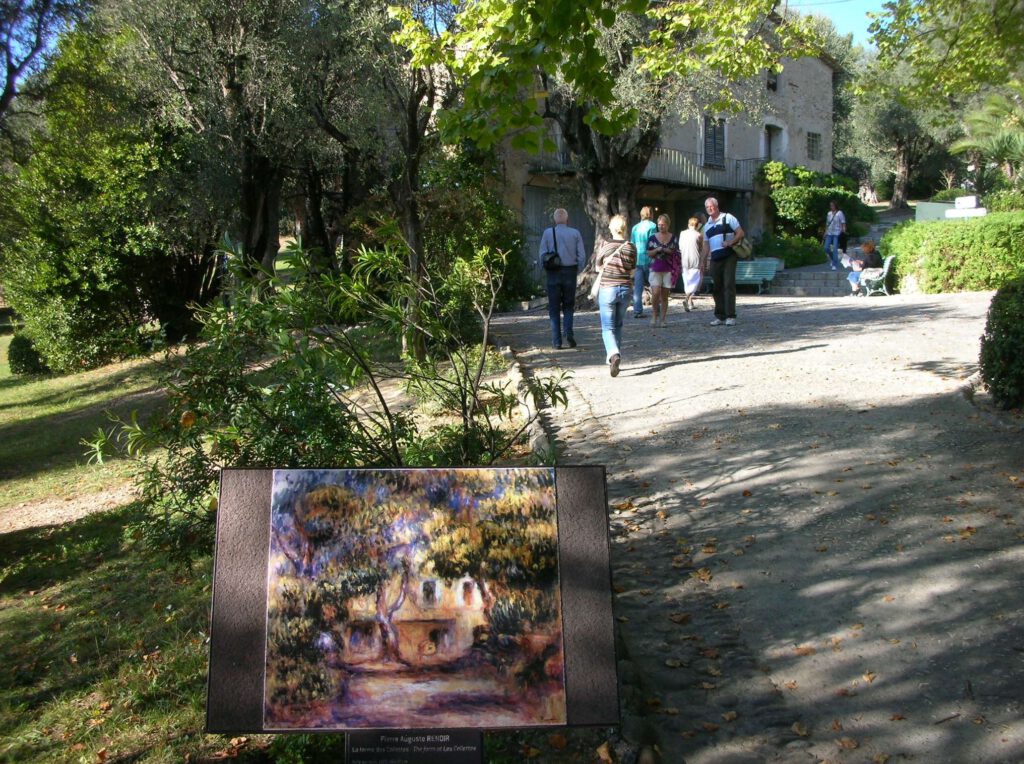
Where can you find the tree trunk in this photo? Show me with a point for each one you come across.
(261, 184)
(609, 171)
(315, 238)
(901, 180)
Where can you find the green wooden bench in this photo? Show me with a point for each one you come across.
(880, 283)
(759, 273)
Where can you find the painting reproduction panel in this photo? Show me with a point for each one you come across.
(413, 599)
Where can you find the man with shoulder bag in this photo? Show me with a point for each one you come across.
(562, 256)
(722, 232)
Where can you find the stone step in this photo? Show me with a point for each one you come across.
(810, 291)
(811, 279)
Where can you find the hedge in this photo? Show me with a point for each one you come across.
(1001, 360)
(802, 209)
(972, 254)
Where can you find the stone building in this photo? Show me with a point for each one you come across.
(715, 155)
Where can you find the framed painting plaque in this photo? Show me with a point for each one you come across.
(412, 599)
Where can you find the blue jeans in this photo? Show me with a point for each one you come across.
(561, 289)
(641, 278)
(611, 303)
(832, 249)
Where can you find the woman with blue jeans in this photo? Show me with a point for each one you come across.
(835, 226)
(617, 261)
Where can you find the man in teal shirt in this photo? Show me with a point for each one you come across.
(641, 276)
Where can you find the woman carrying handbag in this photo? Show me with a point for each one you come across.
(616, 260)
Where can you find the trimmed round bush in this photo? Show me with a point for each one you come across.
(1002, 362)
(23, 358)
(968, 255)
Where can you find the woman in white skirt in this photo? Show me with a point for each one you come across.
(690, 242)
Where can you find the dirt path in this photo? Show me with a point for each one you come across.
(817, 539)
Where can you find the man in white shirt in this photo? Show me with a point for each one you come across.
(561, 281)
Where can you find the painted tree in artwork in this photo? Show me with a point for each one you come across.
(507, 543)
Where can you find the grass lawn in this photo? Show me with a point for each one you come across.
(43, 420)
(104, 645)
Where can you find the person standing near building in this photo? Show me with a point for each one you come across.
(616, 259)
(835, 227)
(720, 232)
(561, 280)
(691, 258)
(642, 275)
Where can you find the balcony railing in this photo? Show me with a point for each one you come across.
(674, 166)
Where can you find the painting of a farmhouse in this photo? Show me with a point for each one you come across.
(413, 599)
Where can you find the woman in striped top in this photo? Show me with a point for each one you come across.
(617, 261)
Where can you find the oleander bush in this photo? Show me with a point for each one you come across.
(1002, 362)
(23, 358)
(959, 255)
(1004, 201)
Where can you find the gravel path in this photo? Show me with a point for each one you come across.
(816, 536)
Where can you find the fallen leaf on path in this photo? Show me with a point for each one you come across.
(888, 598)
(730, 716)
(880, 758)
(847, 743)
(720, 605)
(968, 532)
(710, 726)
(821, 548)
(800, 729)
(703, 574)
(897, 718)
(870, 677)
(837, 726)
(708, 686)
(790, 685)
(622, 619)
(713, 672)
(558, 741)
(670, 711)
(845, 693)
(804, 650)
(746, 492)
(710, 653)
(679, 617)
(709, 549)
(673, 663)
(604, 752)
(979, 720)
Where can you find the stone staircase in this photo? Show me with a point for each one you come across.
(820, 281)
(806, 283)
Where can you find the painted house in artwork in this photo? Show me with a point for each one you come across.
(435, 622)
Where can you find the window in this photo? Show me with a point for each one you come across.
(814, 146)
(714, 142)
(429, 593)
(773, 80)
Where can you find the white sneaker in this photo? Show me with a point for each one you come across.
(730, 322)
(716, 322)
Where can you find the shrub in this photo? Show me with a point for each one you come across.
(948, 194)
(1002, 362)
(23, 358)
(1004, 201)
(281, 380)
(959, 255)
(802, 209)
(779, 175)
(795, 251)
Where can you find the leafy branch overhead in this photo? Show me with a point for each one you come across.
(499, 51)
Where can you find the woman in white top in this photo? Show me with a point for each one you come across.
(690, 249)
(835, 224)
